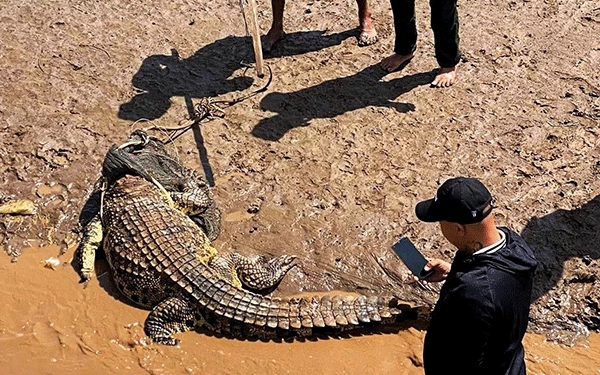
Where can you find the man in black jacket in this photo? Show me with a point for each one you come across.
(479, 321)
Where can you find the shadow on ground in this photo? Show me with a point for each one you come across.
(567, 287)
(208, 72)
(335, 97)
(325, 333)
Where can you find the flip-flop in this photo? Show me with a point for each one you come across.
(370, 39)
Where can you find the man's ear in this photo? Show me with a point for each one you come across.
(461, 229)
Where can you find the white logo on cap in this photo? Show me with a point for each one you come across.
(474, 213)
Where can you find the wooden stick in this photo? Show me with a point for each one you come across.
(255, 32)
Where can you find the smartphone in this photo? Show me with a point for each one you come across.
(414, 260)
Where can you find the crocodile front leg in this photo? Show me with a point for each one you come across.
(209, 221)
(172, 315)
(259, 274)
(200, 207)
(191, 202)
(85, 254)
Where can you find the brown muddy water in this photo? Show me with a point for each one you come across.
(50, 324)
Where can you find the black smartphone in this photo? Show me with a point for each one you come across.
(414, 260)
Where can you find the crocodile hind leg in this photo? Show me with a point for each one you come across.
(85, 254)
(259, 274)
(225, 269)
(172, 315)
(253, 273)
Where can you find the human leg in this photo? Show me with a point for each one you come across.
(444, 22)
(368, 34)
(276, 33)
(405, 28)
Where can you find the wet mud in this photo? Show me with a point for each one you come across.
(51, 325)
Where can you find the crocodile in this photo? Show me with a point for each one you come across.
(161, 259)
(148, 157)
(156, 162)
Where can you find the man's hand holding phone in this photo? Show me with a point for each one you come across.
(433, 270)
(440, 269)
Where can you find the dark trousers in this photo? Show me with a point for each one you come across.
(444, 22)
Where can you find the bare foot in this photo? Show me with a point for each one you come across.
(367, 37)
(393, 62)
(272, 37)
(445, 77)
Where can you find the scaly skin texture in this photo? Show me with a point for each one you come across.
(161, 259)
(152, 159)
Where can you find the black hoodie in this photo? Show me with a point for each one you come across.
(481, 316)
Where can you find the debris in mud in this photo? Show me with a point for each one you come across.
(254, 207)
(54, 154)
(50, 189)
(51, 263)
(18, 207)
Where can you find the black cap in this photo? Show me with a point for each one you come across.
(459, 200)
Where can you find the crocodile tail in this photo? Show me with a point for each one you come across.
(240, 313)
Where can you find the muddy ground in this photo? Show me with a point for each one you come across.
(329, 162)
